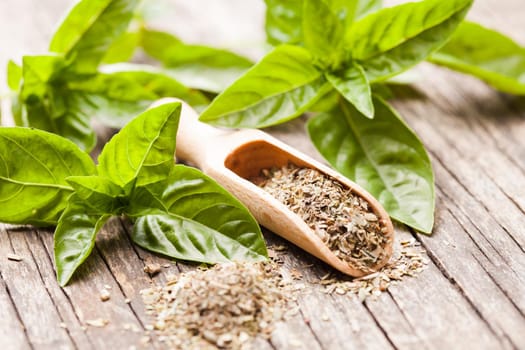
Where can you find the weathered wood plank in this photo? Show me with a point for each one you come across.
(34, 304)
(12, 335)
(330, 316)
(70, 319)
(472, 294)
(472, 192)
(123, 328)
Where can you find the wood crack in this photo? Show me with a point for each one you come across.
(506, 194)
(70, 302)
(458, 181)
(132, 309)
(503, 150)
(474, 224)
(509, 298)
(309, 326)
(49, 293)
(381, 329)
(17, 312)
(460, 289)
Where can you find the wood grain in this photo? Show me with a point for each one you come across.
(472, 295)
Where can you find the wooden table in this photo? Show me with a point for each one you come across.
(471, 296)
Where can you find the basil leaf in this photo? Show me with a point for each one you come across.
(185, 239)
(196, 66)
(223, 227)
(122, 91)
(14, 79)
(89, 30)
(486, 54)
(38, 73)
(75, 122)
(159, 45)
(74, 237)
(33, 167)
(284, 21)
(99, 192)
(323, 32)
(14, 75)
(365, 7)
(46, 103)
(394, 39)
(328, 101)
(59, 112)
(280, 87)
(383, 155)
(142, 152)
(353, 85)
(122, 48)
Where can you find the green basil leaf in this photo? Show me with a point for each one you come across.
(33, 167)
(353, 85)
(382, 90)
(99, 192)
(185, 239)
(196, 66)
(280, 87)
(121, 91)
(90, 29)
(123, 48)
(72, 121)
(486, 54)
(326, 102)
(143, 151)
(59, 111)
(323, 31)
(14, 79)
(14, 75)
(383, 155)
(223, 227)
(16, 109)
(284, 21)
(38, 72)
(159, 45)
(46, 103)
(394, 39)
(365, 7)
(74, 237)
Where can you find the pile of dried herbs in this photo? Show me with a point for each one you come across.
(224, 307)
(408, 260)
(344, 221)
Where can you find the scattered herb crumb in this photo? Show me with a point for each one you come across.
(99, 322)
(152, 269)
(14, 257)
(221, 307)
(104, 295)
(344, 221)
(408, 260)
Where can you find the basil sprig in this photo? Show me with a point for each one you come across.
(82, 77)
(485, 54)
(342, 50)
(45, 179)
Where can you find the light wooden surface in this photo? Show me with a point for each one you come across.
(471, 296)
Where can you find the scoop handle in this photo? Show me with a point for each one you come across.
(194, 138)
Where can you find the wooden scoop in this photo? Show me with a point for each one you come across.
(234, 157)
